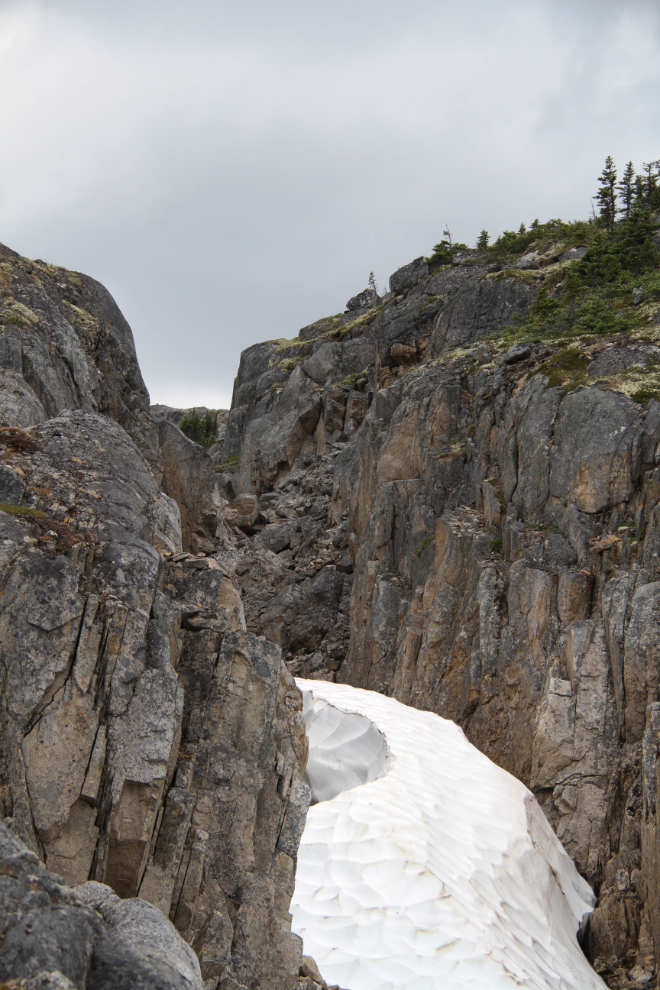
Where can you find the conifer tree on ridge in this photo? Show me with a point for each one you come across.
(626, 189)
(606, 196)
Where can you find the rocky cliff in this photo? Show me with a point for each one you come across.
(438, 494)
(432, 503)
(150, 746)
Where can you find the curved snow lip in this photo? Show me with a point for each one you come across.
(440, 873)
(346, 749)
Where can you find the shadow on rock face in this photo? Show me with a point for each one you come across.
(345, 749)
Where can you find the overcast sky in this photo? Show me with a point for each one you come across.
(232, 171)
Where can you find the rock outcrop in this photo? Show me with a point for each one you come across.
(471, 527)
(189, 479)
(151, 748)
(55, 938)
(65, 344)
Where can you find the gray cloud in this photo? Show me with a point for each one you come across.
(232, 171)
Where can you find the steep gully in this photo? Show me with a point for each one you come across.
(402, 508)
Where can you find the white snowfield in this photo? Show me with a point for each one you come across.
(424, 865)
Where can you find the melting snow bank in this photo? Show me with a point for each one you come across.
(424, 865)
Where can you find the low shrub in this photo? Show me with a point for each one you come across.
(425, 542)
(230, 464)
(21, 510)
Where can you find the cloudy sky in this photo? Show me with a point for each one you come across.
(233, 169)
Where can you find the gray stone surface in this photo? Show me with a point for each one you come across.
(321, 366)
(363, 300)
(148, 741)
(19, 405)
(594, 460)
(426, 520)
(103, 715)
(275, 434)
(498, 544)
(189, 479)
(54, 938)
(64, 344)
(529, 262)
(144, 928)
(409, 275)
(243, 511)
(611, 360)
(517, 352)
(11, 486)
(358, 350)
(574, 253)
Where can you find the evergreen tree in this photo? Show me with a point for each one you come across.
(606, 196)
(482, 242)
(372, 282)
(534, 225)
(203, 431)
(522, 230)
(444, 251)
(210, 429)
(627, 189)
(650, 182)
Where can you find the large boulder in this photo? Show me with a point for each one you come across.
(363, 300)
(243, 511)
(325, 363)
(58, 938)
(408, 276)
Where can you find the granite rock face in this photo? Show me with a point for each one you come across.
(296, 405)
(453, 529)
(151, 748)
(505, 577)
(285, 388)
(409, 275)
(56, 937)
(189, 479)
(65, 345)
(148, 742)
(363, 300)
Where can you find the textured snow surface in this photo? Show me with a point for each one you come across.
(433, 868)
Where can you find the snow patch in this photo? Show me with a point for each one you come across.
(425, 866)
(345, 749)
